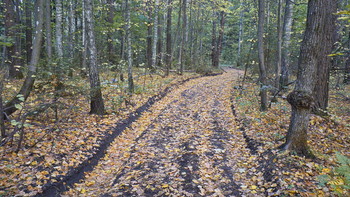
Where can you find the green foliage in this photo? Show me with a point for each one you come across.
(339, 177)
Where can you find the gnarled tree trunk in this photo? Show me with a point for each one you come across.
(318, 34)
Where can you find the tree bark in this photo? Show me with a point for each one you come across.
(240, 33)
(183, 42)
(129, 49)
(59, 42)
(287, 32)
(214, 49)
(220, 39)
(2, 123)
(318, 34)
(28, 31)
(149, 54)
(279, 47)
(83, 37)
(324, 62)
(48, 30)
(110, 43)
(168, 57)
(30, 78)
(96, 103)
(159, 57)
(347, 65)
(262, 69)
(155, 35)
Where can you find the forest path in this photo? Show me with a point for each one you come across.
(187, 144)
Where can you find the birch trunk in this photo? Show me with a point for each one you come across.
(168, 57)
(287, 32)
(155, 35)
(96, 103)
(129, 49)
(59, 37)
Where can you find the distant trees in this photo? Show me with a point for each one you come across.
(12, 32)
(28, 83)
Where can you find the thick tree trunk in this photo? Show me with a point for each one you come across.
(12, 31)
(324, 61)
(262, 69)
(96, 103)
(287, 32)
(30, 78)
(318, 34)
(129, 49)
(168, 58)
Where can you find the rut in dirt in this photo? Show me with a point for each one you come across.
(191, 147)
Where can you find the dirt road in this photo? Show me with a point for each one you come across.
(187, 144)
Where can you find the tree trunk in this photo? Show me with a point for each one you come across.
(159, 57)
(96, 103)
(2, 123)
(183, 42)
(220, 39)
(287, 32)
(84, 42)
(149, 48)
(29, 28)
(129, 49)
(279, 47)
(110, 43)
(214, 49)
(71, 36)
(30, 78)
(262, 69)
(240, 33)
(318, 34)
(48, 30)
(347, 71)
(12, 31)
(155, 35)
(324, 61)
(59, 42)
(168, 57)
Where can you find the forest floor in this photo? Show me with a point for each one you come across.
(203, 138)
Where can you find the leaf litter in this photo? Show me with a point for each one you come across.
(202, 139)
